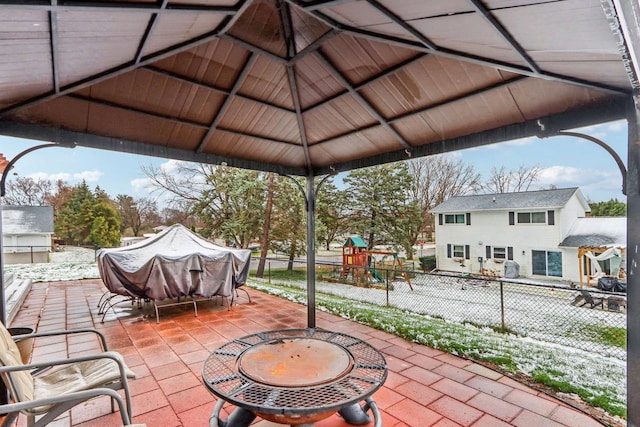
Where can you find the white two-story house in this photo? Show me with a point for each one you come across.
(486, 231)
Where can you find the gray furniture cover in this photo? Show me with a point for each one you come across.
(174, 263)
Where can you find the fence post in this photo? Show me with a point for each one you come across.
(386, 273)
(269, 271)
(502, 306)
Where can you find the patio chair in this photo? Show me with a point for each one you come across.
(48, 389)
(591, 300)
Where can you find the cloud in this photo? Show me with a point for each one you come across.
(140, 184)
(598, 184)
(171, 167)
(46, 177)
(513, 143)
(89, 176)
(603, 131)
(560, 176)
(617, 126)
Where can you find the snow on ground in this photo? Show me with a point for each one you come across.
(71, 263)
(539, 313)
(595, 371)
(538, 345)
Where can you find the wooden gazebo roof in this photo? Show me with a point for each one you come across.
(310, 86)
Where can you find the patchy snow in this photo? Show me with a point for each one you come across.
(535, 346)
(597, 372)
(70, 263)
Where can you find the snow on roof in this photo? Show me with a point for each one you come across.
(597, 232)
(541, 199)
(27, 219)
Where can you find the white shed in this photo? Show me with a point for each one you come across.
(26, 233)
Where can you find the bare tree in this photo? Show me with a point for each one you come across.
(436, 179)
(185, 182)
(502, 180)
(149, 212)
(178, 214)
(129, 213)
(228, 202)
(136, 213)
(264, 243)
(25, 191)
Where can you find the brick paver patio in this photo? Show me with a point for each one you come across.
(425, 387)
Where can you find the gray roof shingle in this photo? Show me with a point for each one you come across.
(541, 199)
(27, 219)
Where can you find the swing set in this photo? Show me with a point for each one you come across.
(355, 264)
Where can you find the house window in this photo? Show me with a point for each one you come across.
(454, 219)
(546, 263)
(499, 253)
(532, 218)
(458, 251)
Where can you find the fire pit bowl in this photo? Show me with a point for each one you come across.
(294, 376)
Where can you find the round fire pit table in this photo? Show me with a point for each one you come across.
(295, 377)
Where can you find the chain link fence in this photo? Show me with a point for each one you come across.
(591, 320)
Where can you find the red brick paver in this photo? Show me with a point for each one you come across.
(425, 387)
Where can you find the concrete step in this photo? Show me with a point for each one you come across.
(15, 292)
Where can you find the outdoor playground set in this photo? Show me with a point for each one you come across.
(357, 268)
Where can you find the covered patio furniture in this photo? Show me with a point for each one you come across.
(38, 391)
(176, 264)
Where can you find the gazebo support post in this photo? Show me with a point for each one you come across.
(311, 252)
(310, 206)
(633, 266)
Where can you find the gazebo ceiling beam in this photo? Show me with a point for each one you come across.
(317, 43)
(295, 94)
(319, 4)
(506, 36)
(615, 109)
(124, 68)
(222, 91)
(242, 75)
(402, 24)
(254, 49)
(287, 24)
(364, 102)
(287, 29)
(427, 108)
(153, 21)
(53, 42)
(461, 56)
(110, 7)
(368, 81)
(130, 109)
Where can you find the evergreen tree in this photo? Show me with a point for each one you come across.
(381, 206)
(331, 213)
(613, 207)
(88, 218)
(74, 219)
(105, 227)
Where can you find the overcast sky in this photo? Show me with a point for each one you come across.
(565, 162)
